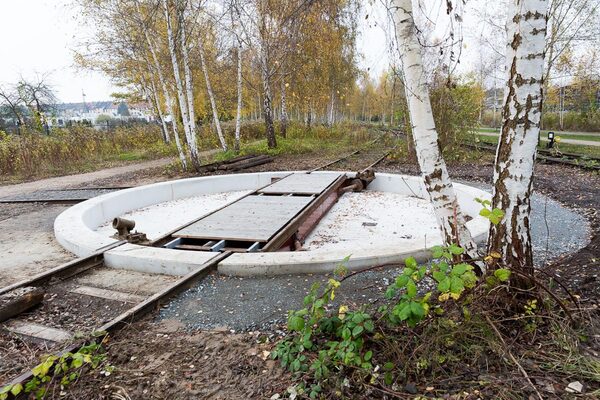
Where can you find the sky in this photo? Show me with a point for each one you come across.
(39, 37)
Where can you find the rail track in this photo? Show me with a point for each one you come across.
(66, 284)
(548, 156)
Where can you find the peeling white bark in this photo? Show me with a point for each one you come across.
(176, 74)
(284, 115)
(169, 103)
(165, 91)
(433, 168)
(189, 94)
(238, 116)
(515, 156)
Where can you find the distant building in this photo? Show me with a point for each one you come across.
(65, 114)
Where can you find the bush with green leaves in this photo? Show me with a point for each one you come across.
(64, 370)
(323, 341)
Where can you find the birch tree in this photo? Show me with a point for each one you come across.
(515, 156)
(181, 8)
(433, 168)
(183, 102)
(158, 70)
(211, 96)
(238, 114)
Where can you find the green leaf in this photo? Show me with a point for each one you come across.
(388, 366)
(410, 262)
(456, 250)
(295, 323)
(346, 333)
(456, 285)
(358, 329)
(485, 212)
(411, 289)
(368, 355)
(417, 309)
(390, 292)
(502, 274)
(401, 281)
(388, 378)
(404, 312)
(437, 251)
(369, 326)
(358, 318)
(438, 276)
(16, 389)
(459, 269)
(444, 285)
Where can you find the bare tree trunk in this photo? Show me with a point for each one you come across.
(177, 76)
(238, 116)
(433, 168)
(284, 116)
(392, 100)
(515, 156)
(211, 96)
(330, 118)
(267, 100)
(189, 94)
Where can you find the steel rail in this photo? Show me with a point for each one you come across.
(66, 270)
(577, 160)
(372, 142)
(137, 311)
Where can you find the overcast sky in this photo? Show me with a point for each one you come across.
(38, 37)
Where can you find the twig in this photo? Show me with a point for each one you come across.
(514, 360)
(555, 279)
(397, 395)
(554, 296)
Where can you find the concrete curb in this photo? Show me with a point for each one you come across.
(75, 228)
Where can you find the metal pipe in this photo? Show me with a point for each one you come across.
(123, 226)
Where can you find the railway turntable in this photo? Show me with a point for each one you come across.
(277, 216)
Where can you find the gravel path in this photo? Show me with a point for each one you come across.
(61, 182)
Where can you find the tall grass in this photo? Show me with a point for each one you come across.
(76, 149)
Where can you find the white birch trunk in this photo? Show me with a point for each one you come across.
(284, 115)
(515, 156)
(166, 93)
(176, 75)
(159, 111)
(330, 118)
(267, 100)
(238, 116)
(432, 165)
(211, 96)
(169, 103)
(189, 94)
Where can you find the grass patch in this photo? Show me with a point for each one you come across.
(301, 140)
(77, 149)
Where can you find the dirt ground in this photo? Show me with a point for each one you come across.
(161, 359)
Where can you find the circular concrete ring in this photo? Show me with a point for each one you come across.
(75, 228)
